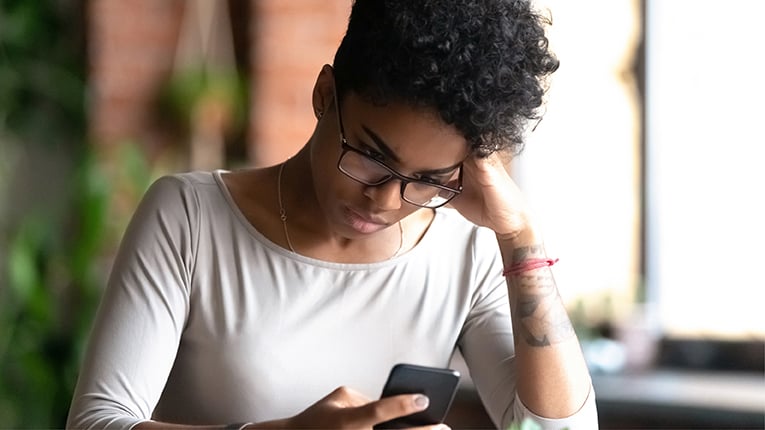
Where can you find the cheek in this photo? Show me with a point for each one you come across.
(329, 187)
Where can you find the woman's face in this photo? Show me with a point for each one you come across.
(414, 143)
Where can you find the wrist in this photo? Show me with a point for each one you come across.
(521, 239)
(275, 424)
(238, 426)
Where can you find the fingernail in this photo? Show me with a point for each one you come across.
(421, 401)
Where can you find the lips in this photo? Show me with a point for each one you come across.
(364, 223)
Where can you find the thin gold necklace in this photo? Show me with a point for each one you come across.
(283, 217)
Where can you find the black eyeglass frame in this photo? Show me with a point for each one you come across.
(405, 180)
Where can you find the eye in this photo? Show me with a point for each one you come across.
(432, 180)
(371, 153)
(447, 179)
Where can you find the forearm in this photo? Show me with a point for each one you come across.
(553, 380)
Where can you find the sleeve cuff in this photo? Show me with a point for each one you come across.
(586, 418)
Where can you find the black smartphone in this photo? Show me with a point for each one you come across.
(440, 385)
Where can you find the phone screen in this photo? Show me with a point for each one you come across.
(440, 385)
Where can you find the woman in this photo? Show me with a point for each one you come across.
(281, 297)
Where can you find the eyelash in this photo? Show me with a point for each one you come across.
(380, 157)
(372, 153)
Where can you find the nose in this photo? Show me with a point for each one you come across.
(387, 196)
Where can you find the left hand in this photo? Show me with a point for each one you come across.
(490, 198)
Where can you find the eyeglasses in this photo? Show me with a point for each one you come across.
(363, 167)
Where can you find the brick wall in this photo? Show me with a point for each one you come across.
(132, 47)
(293, 39)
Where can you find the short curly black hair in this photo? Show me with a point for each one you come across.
(481, 64)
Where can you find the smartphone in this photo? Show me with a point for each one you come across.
(440, 385)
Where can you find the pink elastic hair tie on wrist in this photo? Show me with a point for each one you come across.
(530, 264)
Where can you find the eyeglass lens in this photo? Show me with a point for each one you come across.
(368, 171)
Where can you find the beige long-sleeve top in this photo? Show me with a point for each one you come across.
(204, 320)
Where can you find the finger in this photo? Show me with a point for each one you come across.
(496, 166)
(485, 172)
(347, 397)
(391, 407)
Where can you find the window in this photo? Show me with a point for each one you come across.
(705, 146)
(653, 198)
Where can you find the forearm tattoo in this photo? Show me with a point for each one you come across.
(539, 315)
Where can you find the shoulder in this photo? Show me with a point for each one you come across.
(450, 217)
(183, 182)
(450, 223)
(453, 234)
(187, 186)
(179, 196)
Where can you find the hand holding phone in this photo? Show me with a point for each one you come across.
(439, 385)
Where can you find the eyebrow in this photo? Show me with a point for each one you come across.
(388, 152)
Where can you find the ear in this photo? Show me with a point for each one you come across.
(323, 91)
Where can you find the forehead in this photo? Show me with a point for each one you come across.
(418, 136)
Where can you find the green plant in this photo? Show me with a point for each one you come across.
(188, 88)
(526, 424)
(51, 295)
(56, 227)
(55, 274)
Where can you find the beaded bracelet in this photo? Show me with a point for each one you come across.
(526, 265)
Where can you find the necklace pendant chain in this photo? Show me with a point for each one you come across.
(283, 217)
(282, 212)
(400, 240)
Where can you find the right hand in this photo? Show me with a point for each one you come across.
(345, 408)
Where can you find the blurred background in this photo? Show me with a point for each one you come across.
(645, 174)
